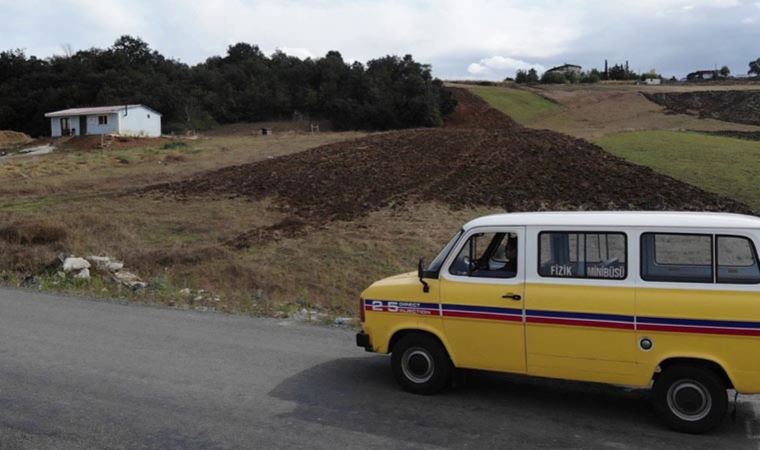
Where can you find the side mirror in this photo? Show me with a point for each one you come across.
(421, 275)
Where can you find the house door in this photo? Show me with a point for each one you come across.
(82, 125)
(65, 129)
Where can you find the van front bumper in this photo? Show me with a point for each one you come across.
(362, 340)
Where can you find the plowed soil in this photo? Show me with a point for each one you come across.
(730, 106)
(474, 112)
(481, 158)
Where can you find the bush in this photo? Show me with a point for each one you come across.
(174, 145)
(554, 78)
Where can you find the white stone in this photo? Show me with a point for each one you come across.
(83, 274)
(99, 259)
(129, 279)
(114, 266)
(185, 291)
(106, 263)
(72, 264)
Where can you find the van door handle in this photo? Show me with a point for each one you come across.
(511, 296)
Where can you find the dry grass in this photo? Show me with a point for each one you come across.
(176, 245)
(81, 203)
(72, 174)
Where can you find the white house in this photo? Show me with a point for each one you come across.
(126, 120)
(567, 69)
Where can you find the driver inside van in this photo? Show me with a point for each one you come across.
(498, 260)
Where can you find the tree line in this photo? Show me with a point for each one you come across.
(245, 85)
(616, 72)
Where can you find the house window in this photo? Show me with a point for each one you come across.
(582, 255)
(102, 120)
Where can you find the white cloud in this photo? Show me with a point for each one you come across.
(501, 66)
(452, 35)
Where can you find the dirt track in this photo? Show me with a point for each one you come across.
(506, 166)
(730, 106)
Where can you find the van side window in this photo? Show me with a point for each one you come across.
(582, 255)
(680, 258)
(487, 255)
(737, 261)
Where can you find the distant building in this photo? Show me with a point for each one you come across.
(127, 120)
(703, 75)
(652, 81)
(566, 69)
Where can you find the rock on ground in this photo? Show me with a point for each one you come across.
(73, 264)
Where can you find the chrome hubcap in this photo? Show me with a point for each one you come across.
(689, 400)
(417, 365)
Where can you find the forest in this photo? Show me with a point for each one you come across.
(245, 85)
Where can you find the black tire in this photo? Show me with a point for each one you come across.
(421, 364)
(690, 398)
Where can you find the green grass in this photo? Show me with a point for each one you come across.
(521, 105)
(723, 165)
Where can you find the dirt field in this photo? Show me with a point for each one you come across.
(597, 110)
(729, 106)
(500, 165)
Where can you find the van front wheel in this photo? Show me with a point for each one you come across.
(690, 399)
(421, 364)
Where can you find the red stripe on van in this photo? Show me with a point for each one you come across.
(700, 330)
(583, 323)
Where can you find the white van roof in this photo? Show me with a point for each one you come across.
(619, 219)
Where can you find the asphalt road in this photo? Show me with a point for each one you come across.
(78, 373)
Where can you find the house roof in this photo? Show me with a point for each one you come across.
(95, 110)
(564, 66)
(620, 219)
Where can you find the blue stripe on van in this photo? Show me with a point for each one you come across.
(698, 322)
(569, 318)
(482, 309)
(579, 315)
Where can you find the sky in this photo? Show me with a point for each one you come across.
(477, 39)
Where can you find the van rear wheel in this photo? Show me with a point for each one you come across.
(421, 364)
(690, 399)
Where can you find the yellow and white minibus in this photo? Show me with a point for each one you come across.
(665, 300)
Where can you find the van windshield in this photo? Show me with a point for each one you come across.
(435, 265)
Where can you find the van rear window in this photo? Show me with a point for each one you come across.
(681, 258)
(582, 255)
(737, 261)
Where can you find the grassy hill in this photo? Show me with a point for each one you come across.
(522, 105)
(723, 165)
